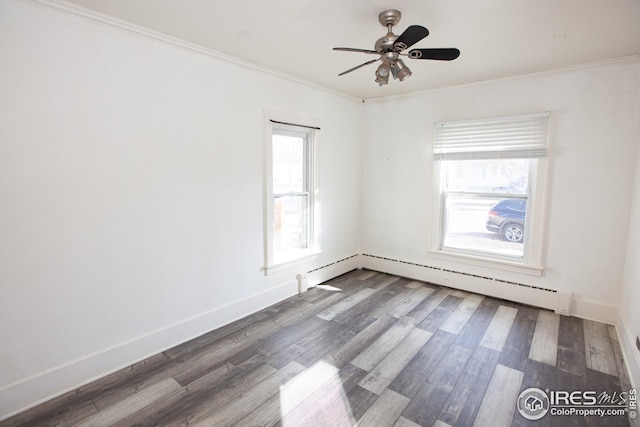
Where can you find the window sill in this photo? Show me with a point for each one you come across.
(480, 261)
(304, 258)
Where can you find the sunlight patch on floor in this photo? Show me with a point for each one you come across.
(328, 288)
(315, 396)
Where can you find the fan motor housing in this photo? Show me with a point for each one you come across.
(385, 44)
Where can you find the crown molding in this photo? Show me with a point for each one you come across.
(629, 59)
(103, 19)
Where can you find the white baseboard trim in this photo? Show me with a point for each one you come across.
(29, 392)
(629, 351)
(592, 310)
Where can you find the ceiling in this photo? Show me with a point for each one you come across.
(497, 38)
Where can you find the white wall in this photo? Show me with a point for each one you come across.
(131, 181)
(629, 319)
(593, 144)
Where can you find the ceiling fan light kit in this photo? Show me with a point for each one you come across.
(390, 47)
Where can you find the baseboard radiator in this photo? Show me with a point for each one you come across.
(327, 272)
(552, 299)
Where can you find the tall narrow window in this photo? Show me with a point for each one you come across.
(290, 203)
(491, 187)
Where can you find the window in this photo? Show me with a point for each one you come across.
(290, 196)
(490, 186)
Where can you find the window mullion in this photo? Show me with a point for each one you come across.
(301, 193)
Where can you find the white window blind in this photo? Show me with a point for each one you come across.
(496, 138)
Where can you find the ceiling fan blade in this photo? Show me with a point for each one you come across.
(445, 54)
(411, 36)
(359, 66)
(351, 49)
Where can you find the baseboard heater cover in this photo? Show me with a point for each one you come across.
(462, 273)
(332, 263)
(553, 299)
(327, 272)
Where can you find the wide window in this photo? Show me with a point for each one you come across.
(491, 176)
(290, 197)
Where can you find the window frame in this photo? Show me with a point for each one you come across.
(278, 123)
(532, 260)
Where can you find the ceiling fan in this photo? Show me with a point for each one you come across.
(391, 47)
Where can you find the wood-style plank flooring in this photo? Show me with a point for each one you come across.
(366, 349)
